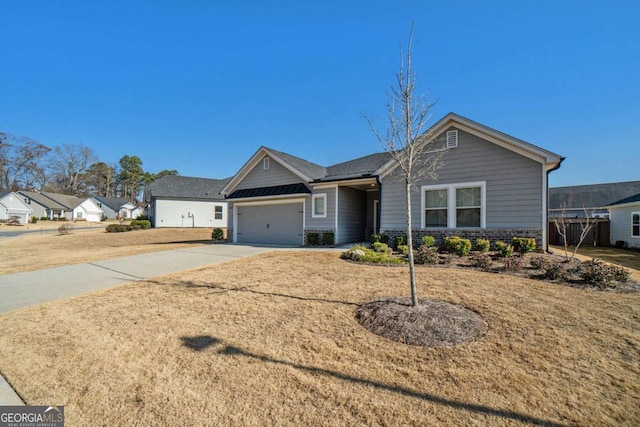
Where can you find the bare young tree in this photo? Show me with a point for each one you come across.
(407, 141)
(563, 227)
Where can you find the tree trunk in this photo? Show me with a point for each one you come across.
(412, 273)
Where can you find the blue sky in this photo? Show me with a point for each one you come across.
(198, 86)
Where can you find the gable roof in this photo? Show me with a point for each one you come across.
(186, 187)
(66, 200)
(591, 196)
(42, 200)
(380, 164)
(627, 201)
(114, 203)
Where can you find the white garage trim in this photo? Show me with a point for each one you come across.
(267, 203)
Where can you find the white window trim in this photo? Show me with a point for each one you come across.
(313, 205)
(265, 163)
(221, 212)
(452, 139)
(632, 214)
(451, 202)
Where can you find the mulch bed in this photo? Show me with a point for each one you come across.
(429, 324)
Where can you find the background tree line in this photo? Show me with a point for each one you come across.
(73, 169)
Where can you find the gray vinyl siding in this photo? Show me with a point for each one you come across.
(620, 225)
(328, 223)
(513, 185)
(352, 207)
(275, 175)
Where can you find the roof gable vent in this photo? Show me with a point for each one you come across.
(452, 139)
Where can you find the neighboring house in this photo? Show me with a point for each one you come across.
(42, 206)
(118, 207)
(491, 186)
(625, 221)
(12, 204)
(573, 201)
(77, 208)
(182, 201)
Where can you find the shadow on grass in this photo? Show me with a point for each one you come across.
(233, 351)
(219, 289)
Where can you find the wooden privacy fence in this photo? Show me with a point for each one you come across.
(598, 235)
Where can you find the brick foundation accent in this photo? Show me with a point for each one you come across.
(230, 235)
(492, 234)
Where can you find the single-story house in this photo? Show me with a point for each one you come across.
(77, 208)
(118, 207)
(625, 221)
(492, 186)
(183, 201)
(573, 201)
(12, 204)
(42, 206)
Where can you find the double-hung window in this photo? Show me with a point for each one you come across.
(217, 212)
(454, 205)
(319, 208)
(635, 224)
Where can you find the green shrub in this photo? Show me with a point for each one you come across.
(118, 228)
(44, 218)
(399, 241)
(481, 260)
(620, 274)
(482, 245)
(620, 244)
(33, 220)
(380, 247)
(328, 238)
(426, 255)
(375, 238)
(361, 254)
(403, 249)
(138, 224)
(457, 245)
(504, 250)
(428, 241)
(523, 245)
(217, 234)
(143, 218)
(313, 239)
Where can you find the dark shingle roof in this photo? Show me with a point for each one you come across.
(309, 169)
(632, 199)
(591, 196)
(187, 187)
(359, 167)
(277, 190)
(4, 193)
(111, 202)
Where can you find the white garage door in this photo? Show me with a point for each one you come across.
(270, 224)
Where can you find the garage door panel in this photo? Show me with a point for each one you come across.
(270, 224)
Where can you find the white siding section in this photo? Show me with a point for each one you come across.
(188, 213)
(620, 225)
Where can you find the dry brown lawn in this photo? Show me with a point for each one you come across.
(34, 251)
(273, 340)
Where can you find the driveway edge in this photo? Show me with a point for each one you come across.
(8, 396)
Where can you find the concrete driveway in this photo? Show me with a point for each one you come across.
(35, 287)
